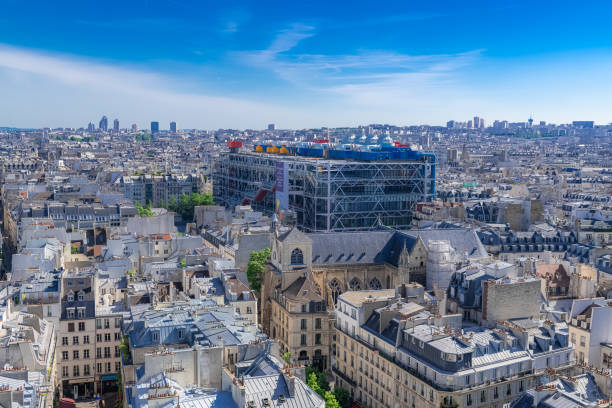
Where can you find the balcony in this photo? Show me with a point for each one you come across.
(343, 376)
(448, 402)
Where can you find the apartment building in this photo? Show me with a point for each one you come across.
(108, 340)
(158, 189)
(88, 338)
(76, 340)
(486, 294)
(393, 352)
(300, 321)
(196, 336)
(589, 330)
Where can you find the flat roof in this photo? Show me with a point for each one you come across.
(357, 298)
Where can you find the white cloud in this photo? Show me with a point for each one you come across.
(41, 89)
(367, 85)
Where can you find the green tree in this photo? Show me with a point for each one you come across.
(320, 375)
(343, 397)
(186, 203)
(287, 357)
(172, 203)
(144, 211)
(182, 263)
(255, 272)
(330, 400)
(314, 384)
(256, 268)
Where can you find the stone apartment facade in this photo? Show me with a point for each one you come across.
(88, 357)
(391, 353)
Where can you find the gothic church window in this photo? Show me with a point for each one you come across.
(375, 284)
(297, 257)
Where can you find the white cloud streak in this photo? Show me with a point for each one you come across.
(391, 82)
(83, 90)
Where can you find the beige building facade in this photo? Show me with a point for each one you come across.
(307, 273)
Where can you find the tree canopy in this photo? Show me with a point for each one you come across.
(143, 211)
(187, 202)
(256, 269)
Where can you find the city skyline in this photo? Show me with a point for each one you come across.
(303, 66)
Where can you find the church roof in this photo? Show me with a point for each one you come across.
(371, 247)
(381, 246)
(304, 289)
(292, 235)
(464, 241)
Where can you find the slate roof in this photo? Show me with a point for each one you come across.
(89, 305)
(186, 327)
(264, 381)
(385, 246)
(303, 288)
(292, 235)
(271, 387)
(371, 247)
(580, 391)
(463, 240)
(189, 397)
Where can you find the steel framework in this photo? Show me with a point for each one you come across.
(329, 195)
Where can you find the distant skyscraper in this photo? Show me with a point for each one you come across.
(91, 127)
(450, 124)
(154, 127)
(476, 122)
(470, 124)
(173, 127)
(583, 123)
(481, 123)
(116, 125)
(271, 126)
(103, 125)
(134, 127)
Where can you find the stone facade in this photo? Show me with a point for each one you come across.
(515, 299)
(292, 271)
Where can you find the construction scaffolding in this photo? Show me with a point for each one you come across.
(329, 194)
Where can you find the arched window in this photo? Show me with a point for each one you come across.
(375, 284)
(303, 355)
(335, 289)
(297, 257)
(355, 284)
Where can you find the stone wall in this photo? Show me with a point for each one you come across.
(516, 299)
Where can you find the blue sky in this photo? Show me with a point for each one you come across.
(303, 64)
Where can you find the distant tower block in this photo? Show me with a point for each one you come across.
(440, 265)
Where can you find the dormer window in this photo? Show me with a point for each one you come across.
(156, 336)
(80, 296)
(180, 333)
(297, 257)
(71, 297)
